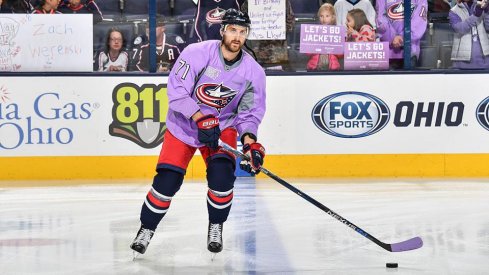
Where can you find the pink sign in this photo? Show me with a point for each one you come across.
(366, 56)
(322, 39)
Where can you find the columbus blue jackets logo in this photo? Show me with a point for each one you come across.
(396, 11)
(350, 114)
(214, 16)
(482, 113)
(215, 95)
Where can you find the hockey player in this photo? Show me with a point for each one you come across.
(216, 91)
(168, 48)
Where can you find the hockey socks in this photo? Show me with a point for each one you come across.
(220, 178)
(165, 184)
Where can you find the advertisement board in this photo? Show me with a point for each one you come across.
(370, 114)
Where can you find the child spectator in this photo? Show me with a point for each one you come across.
(470, 22)
(16, 6)
(358, 28)
(390, 27)
(343, 6)
(113, 58)
(47, 7)
(76, 6)
(321, 62)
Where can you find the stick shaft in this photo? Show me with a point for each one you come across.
(403, 246)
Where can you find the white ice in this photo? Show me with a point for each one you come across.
(87, 228)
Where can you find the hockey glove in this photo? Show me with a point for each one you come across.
(209, 131)
(256, 154)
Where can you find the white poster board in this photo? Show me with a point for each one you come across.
(46, 42)
(267, 19)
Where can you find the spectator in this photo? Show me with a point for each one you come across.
(113, 58)
(2, 10)
(358, 28)
(47, 7)
(470, 22)
(343, 6)
(390, 27)
(327, 16)
(207, 22)
(273, 54)
(168, 48)
(16, 6)
(76, 6)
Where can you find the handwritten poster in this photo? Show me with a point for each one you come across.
(267, 19)
(366, 55)
(46, 42)
(322, 39)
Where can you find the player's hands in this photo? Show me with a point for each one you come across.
(256, 154)
(209, 131)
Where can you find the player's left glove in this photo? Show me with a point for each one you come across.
(256, 153)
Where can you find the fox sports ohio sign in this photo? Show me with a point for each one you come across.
(350, 114)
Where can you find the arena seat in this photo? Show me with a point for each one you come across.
(297, 60)
(446, 56)
(305, 8)
(428, 58)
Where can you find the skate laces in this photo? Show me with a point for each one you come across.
(144, 236)
(215, 232)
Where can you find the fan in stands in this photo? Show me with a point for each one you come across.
(168, 49)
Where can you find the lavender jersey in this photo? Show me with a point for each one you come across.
(200, 80)
(390, 23)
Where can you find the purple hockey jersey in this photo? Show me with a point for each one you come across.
(390, 23)
(200, 80)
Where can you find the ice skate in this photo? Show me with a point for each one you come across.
(214, 238)
(141, 242)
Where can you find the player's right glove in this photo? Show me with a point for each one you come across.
(256, 154)
(209, 131)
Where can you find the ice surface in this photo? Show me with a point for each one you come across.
(87, 229)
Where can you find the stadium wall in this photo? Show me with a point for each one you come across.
(110, 127)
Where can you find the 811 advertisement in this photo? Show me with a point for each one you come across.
(139, 113)
(356, 114)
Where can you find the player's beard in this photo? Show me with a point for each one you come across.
(233, 45)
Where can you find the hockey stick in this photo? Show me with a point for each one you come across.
(410, 244)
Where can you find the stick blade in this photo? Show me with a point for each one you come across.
(410, 244)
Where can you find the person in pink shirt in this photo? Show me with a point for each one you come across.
(358, 28)
(324, 62)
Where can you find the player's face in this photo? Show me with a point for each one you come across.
(326, 18)
(115, 42)
(350, 22)
(234, 37)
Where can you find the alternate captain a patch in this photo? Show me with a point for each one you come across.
(215, 95)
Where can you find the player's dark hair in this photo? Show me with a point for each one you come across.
(107, 39)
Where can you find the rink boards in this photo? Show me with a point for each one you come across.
(97, 127)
